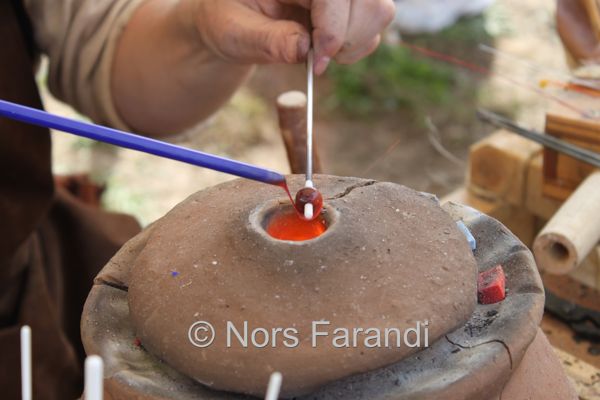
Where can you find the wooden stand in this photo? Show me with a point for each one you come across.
(291, 107)
(506, 181)
(563, 174)
(524, 185)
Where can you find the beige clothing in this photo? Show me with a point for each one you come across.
(79, 38)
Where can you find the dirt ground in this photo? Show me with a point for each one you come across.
(349, 145)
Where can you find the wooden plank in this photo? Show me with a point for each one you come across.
(535, 200)
(563, 174)
(572, 170)
(498, 167)
(559, 114)
(569, 131)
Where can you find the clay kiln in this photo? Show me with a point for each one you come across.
(390, 257)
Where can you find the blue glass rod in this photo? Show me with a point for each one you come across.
(139, 143)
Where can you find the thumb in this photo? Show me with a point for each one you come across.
(264, 40)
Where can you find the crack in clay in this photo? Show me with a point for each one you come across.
(102, 281)
(351, 188)
(510, 360)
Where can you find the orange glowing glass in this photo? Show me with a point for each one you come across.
(285, 224)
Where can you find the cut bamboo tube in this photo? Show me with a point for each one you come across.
(574, 230)
(291, 107)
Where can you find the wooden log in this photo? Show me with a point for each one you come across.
(573, 231)
(291, 107)
(535, 199)
(498, 166)
(563, 174)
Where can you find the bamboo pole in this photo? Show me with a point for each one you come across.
(574, 230)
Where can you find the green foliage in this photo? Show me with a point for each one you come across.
(468, 32)
(394, 78)
(391, 78)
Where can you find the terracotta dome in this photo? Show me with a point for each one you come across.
(391, 257)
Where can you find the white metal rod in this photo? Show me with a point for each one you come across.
(94, 377)
(274, 386)
(310, 65)
(26, 385)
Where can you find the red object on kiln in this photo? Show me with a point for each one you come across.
(312, 196)
(304, 196)
(491, 285)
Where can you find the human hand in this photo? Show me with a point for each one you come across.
(178, 61)
(275, 31)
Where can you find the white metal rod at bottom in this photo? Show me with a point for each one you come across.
(94, 377)
(26, 386)
(274, 386)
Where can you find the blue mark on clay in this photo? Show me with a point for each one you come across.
(174, 274)
(463, 228)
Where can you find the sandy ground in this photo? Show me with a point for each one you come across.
(247, 130)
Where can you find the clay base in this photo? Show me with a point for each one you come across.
(478, 361)
(540, 375)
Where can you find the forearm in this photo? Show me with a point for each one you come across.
(163, 79)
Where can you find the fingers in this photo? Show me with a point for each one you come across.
(329, 20)
(330, 23)
(279, 42)
(346, 30)
(358, 53)
(252, 37)
(368, 19)
(247, 31)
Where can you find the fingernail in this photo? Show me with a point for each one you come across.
(321, 65)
